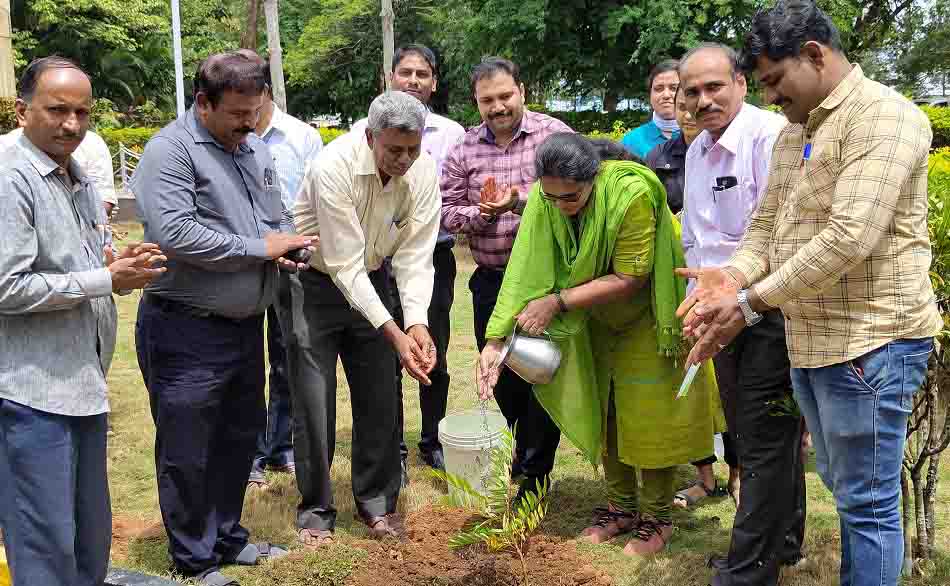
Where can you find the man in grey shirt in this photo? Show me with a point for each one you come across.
(57, 335)
(207, 192)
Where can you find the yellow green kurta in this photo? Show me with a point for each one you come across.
(617, 345)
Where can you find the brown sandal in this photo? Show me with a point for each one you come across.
(315, 538)
(382, 527)
(609, 523)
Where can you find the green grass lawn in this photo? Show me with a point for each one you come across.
(576, 489)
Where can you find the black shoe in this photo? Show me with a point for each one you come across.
(404, 473)
(717, 562)
(433, 458)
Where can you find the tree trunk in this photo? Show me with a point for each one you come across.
(907, 518)
(249, 38)
(611, 99)
(389, 40)
(919, 514)
(278, 91)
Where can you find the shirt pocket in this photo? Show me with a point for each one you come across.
(388, 240)
(272, 209)
(816, 187)
(734, 207)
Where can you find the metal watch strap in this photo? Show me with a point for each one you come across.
(751, 317)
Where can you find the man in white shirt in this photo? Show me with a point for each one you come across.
(415, 71)
(369, 196)
(94, 157)
(293, 144)
(726, 176)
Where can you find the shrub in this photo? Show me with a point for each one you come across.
(940, 122)
(7, 114)
(132, 138)
(328, 134)
(584, 122)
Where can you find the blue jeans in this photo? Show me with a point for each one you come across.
(857, 414)
(54, 497)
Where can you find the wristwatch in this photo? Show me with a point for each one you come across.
(751, 317)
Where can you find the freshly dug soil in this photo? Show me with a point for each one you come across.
(423, 558)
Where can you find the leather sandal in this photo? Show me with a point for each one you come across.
(685, 497)
(315, 538)
(381, 527)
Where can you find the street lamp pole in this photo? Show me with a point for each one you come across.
(179, 69)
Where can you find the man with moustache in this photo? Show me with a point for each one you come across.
(726, 177)
(416, 72)
(840, 244)
(485, 182)
(372, 195)
(58, 324)
(208, 192)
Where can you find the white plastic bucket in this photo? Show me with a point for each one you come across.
(467, 444)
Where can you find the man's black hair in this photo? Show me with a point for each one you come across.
(780, 31)
(232, 71)
(35, 70)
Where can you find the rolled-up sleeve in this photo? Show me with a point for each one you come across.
(412, 261)
(23, 290)
(459, 215)
(164, 187)
(344, 253)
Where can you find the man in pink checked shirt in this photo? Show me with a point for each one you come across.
(485, 181)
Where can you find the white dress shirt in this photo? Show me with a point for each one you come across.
(93, 156)
(293, 143)
(714, 221)
(361, 222)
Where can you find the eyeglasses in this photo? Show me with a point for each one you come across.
(566, 198)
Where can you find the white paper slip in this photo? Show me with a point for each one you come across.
(687, 381)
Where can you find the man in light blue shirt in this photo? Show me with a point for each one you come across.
(57, 335)
(293, 144)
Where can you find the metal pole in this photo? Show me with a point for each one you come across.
(7, 79)
(276, 55)
(389, 42)
(179, 68)
(123, 171)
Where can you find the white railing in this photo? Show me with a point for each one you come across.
(125, 165)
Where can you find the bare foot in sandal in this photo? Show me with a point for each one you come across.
(315, 538)
(609, 523)
(688, 497)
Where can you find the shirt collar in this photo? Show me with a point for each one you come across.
(527, 126)
(276, 119)
(46, 166)
(200, 134)
(730, 138)
(844, 89)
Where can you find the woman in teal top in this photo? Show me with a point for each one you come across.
(663, 83)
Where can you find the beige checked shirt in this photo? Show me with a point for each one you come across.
(840, 240)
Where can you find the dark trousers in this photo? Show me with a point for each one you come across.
(205, 378)
(537, 436)
(326, 328)
(769, 528)
(54, 497)
(275, 446)
(432, 399)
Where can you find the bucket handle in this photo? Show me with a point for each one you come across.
(545, 332)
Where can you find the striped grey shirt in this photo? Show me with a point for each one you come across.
(57, 317)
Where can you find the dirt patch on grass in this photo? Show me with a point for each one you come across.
(126, 529)
(423, 558)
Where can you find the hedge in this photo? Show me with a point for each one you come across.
(940, 122)
(583, 122)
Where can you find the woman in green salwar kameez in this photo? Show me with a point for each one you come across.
(593, 267)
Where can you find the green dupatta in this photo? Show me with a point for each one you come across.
(548, 257)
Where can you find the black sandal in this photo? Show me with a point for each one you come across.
(690, 501)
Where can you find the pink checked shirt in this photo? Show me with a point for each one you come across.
(470, 163)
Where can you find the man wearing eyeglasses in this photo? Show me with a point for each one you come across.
(485, 181)
(726, 177)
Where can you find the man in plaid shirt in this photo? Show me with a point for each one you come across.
(840, 245)
(485, 182)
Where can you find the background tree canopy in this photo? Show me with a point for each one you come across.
(577, 48)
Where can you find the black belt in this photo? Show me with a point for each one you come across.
(173, 306)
